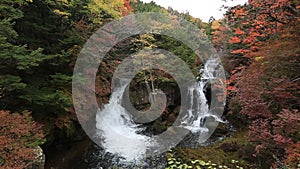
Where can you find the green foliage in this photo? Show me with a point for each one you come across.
(10, 83)
(16, 60)
(139, 6)
(39, 44)
(37, 48)
(178, 49)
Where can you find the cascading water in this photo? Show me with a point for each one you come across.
(198, 110)
(114, 122)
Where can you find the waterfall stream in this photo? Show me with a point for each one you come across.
(198, 110)
(123, 137)
(114, 121)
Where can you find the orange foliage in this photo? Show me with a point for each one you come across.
(260, 20)
(127, 9)
(265, 41)
(18, 136)
(240, 12)
(268, 94)
(238, 31)
(240, 51)
(220, 36)
(293, 152)
(234, 40)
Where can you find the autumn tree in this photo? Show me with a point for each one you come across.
(261, 42)
(267, 92)
(19, 136)
(258, 21)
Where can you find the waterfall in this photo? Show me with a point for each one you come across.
(198, 110)
(115, 123)
(123, 137)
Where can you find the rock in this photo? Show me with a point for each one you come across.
(158, 127)
(39, 162)
(171, 118)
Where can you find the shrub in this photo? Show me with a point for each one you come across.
(18, 136)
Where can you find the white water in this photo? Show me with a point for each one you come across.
(199, 108)
(119, 131)
(123, 137)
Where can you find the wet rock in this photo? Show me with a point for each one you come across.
(158, 127)
(221, 130)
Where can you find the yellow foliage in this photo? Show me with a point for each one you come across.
(64, 14)
(215, 25)
(110, 7)
(63, 1)
(258, 58)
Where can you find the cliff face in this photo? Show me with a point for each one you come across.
(139, 96)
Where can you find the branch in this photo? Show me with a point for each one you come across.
(296, 79)
(293, 11)
(275, 19)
